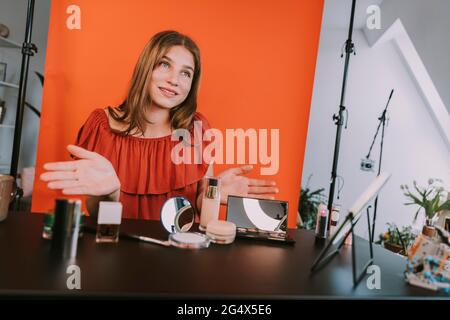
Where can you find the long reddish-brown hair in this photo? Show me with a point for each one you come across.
(132, 109)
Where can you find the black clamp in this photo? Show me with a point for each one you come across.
(348, 47)
(29, 48)
(338, 120)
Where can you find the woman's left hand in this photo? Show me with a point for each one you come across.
(233, 183)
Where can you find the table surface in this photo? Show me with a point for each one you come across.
(244, 269)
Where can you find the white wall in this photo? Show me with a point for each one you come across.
(413, 149)
(428, 24)
(13, 14)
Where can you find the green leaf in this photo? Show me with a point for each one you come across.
(422, 193)
(427, 193)
(319, 191)
(416, 214)
(435, 202)
(444, 206)
(415, 199)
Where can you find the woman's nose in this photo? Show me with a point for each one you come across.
(173, 79)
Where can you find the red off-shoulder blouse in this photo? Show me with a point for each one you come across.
(147, 174)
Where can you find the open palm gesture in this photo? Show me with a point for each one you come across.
(91, 175)
(234, 183)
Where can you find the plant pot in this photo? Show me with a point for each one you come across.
(429, 231)
(393, 247)
(429, 222)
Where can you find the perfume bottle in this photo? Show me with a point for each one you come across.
(210, 202)
(108, 223)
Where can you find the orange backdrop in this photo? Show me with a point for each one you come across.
(258, 61)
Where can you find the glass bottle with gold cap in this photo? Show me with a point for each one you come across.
(210, 202)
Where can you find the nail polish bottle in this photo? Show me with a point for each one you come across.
(210, 202)
(108, 222)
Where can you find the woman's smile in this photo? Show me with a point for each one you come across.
(168, 92)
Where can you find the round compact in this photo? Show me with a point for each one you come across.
(221, 232)
(189, 240)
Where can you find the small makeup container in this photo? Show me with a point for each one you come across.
(108, 222)
(322, 222)
(334, 219)
(221, 232)
(210, 202)
(47, 230)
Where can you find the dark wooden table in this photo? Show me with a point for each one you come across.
(244, 269)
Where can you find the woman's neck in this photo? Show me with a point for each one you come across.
(159, 119)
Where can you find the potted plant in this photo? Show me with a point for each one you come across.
(395, 240)
(430, 199)
(307, 205)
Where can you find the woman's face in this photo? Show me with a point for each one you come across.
(172, 77)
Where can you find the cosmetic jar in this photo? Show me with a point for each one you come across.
(221, 232)
(189, 240)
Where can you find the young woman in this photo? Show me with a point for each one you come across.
(124, 153)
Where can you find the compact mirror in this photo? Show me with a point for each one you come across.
(177, 217)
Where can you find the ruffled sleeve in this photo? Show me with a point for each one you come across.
(91, 131)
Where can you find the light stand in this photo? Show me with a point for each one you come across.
(382, 123)
(339, 119)
(28, 49)
(325, 256)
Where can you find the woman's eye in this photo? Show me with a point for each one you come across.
(163, 64)
(186, 74)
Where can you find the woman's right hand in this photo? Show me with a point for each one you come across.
(91, 175)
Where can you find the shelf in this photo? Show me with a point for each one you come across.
(6, 126)
(5, 43)
(10, 85)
